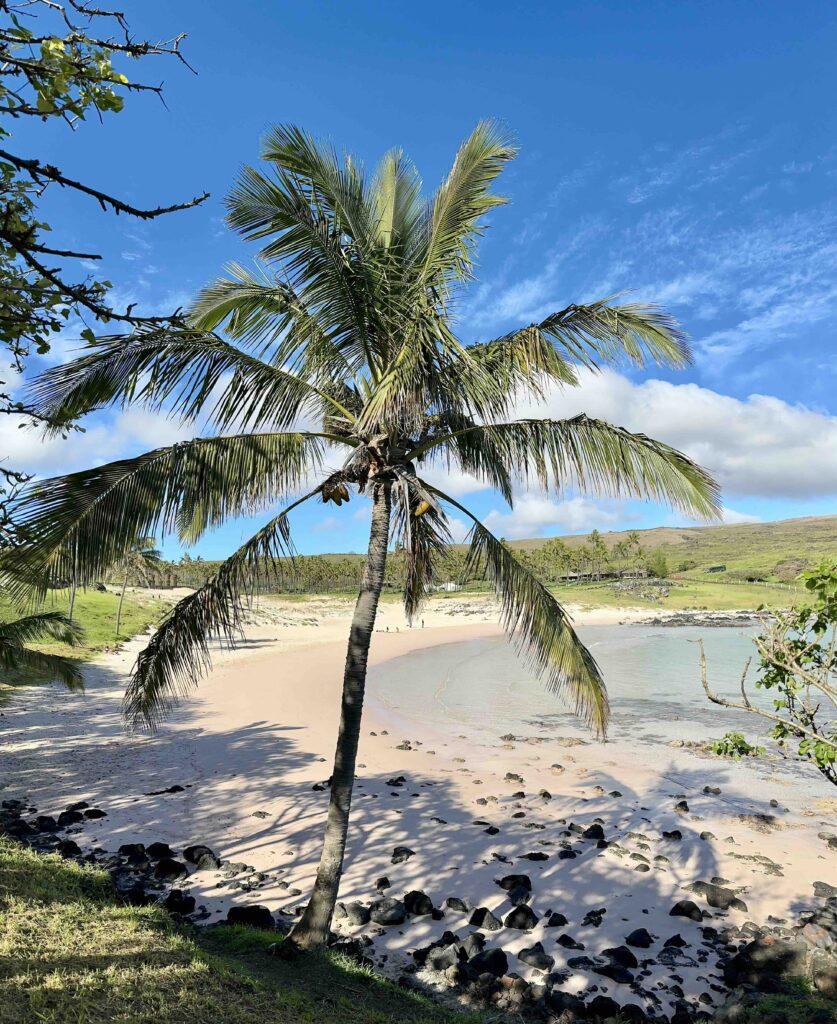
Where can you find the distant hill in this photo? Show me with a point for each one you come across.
(771, 550)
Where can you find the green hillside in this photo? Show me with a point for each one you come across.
(768, 550)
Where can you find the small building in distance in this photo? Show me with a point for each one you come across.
(716, 568)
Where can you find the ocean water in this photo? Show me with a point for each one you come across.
(483, 689)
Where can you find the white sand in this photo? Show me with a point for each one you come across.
(260, 731)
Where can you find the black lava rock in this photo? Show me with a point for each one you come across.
(455, 903)
(158, 850)
(418, 903)
(556, 920)
(621, 955)
(255, 916)
(639, 937)
(483, 918)
(523, 918)
(178, 902)
(401, 854)
(535, 956)
(509, 882)
(388, 911)
(490, 961)
(168, 869)
(686, 908)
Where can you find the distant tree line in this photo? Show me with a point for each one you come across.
(553, 562)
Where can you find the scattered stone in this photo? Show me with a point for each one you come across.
(178, 902)
(168, 869)
(538, 855)
(717, 896)
(383, 883)
(594, 917)
(418, 903)
(681, 806)
(686, 908)
(66, 818)
(676, 941)
(674, 834)
(568, 942)
(640, 938)
(157, 850)
(202, 857)
(621, 955)
(509, 882)
(68, 848)
(45, 823)
(536, 957)
(519, 896)
(455, 903)
(483, 918)
(163, 792)
(492, 830)
(490, 961)
(93, 813)
(593, 832)
(523, 918)
(615, 972)
(388, 911)
(401, 854)
(766, 963)
(357, 914)
(556, 920)
(254, 916)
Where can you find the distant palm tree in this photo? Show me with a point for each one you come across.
(17, 656)
(142, 560)
(348, 325)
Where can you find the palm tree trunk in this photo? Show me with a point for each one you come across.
(119, 606)
(311, 932)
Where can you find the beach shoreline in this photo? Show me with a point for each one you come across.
(242, 766)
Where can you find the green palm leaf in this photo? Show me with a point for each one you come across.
(178, 655)
(590, 454)
(78, 526)
(538, 624)
(53, 625)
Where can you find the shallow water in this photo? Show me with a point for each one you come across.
(480, 688)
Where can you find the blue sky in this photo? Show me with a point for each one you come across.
(686, 151)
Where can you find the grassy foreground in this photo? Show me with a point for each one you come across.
(71, 951)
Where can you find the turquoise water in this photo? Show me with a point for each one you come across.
(652, 673)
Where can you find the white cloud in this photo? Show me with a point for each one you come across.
(760, 446)
(732, 518)
(533, 514)
(115, 436)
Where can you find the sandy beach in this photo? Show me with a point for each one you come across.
(252, 750)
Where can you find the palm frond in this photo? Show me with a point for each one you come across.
(77, 526)
(420, 528)
(52, 625)
(600, 332)
(454, 220)
(49, 667)
(538, 624)
(589, 454)
(178, 655)
(395, 196)
(329, 268)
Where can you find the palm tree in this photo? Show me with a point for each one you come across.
(16, 656)
(142, 560)
(347, 327)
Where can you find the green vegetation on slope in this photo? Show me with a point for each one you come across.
(96, 613)
(70, 950)
(765, 552)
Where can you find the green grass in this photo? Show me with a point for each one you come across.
(684, 595)
(97, 614)
(71, 951)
